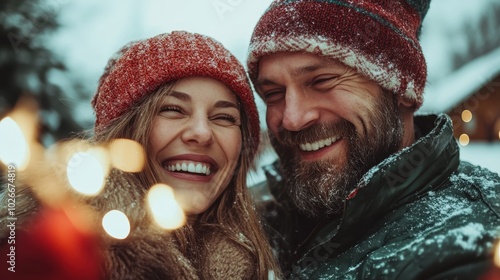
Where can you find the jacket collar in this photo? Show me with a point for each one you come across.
(402, 178)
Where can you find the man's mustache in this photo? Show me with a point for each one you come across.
(341, 128)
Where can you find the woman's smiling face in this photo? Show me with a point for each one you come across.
(196, 141)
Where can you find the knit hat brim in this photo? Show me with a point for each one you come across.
(143, 66)
(357, 38)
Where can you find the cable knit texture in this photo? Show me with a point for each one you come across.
(217, 265)
(141, 67)
(377, 38)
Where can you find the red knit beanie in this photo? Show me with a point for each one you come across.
(377, 38)
(141, 67)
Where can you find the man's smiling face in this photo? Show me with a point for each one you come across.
(328, 123)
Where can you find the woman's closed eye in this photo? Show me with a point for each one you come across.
(225, 119)
(171, 111)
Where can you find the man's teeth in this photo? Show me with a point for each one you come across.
(308, 147)
(198, 168)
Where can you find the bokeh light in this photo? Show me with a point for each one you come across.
(466, 116)
(496, 257)
(127, 155)
(116, 224)
(14, 148)
(86, 173)
(464, 139)
(165, 210)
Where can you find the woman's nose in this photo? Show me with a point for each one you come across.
(198, 131)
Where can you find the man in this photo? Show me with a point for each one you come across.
(363, 188)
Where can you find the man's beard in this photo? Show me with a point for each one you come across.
(320, 187)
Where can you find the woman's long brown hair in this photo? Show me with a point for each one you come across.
(233, 213)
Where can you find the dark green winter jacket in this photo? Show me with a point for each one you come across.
(420, 214)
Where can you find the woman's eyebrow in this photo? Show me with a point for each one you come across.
(219, 104)
(180, 95)
(225, 104)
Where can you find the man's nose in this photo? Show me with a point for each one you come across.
(300, 111)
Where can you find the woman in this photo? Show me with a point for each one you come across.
(187, 100)
(197, 100)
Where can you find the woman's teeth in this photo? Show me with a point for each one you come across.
(197, 168)
(308, 147)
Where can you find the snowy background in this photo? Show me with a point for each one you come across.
(460, 39)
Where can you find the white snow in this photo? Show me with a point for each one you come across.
(468, 236)
(446, 93)
(456, 33)
(461, 43)
(484, 154)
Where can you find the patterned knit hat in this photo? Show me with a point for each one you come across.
(141, 67)
(377, 38)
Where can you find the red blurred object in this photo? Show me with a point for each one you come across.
(51, 248)
(492, 274)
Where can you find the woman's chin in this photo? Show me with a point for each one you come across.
(192, 205)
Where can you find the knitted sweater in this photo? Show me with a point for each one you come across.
(148, 252)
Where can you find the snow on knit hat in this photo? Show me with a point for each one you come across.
(378, 38)
(141, 67)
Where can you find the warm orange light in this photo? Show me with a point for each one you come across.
(14, 148)
(165, 210)
(18, 134)
(127, 155)
(116, 224)
(466, 115)
(496, 256)
(464, 139)
(87, 171)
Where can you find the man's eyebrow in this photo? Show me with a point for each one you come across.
(264, 82)
(295, 73)
(307, 69)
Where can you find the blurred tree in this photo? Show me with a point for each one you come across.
(26, 64)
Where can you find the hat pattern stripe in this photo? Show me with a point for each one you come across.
(365, 12)
(389, 79)
(378, 38)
